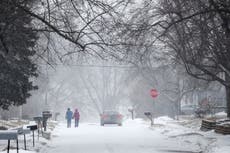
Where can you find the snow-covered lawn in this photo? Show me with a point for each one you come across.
(20, 151)
(39, 144)
(187, 133)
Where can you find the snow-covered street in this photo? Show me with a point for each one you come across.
(92, 138)
(133, 137)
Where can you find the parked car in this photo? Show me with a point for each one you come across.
(111, 117)
(188, 109)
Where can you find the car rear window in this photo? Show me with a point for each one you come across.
(110, 112)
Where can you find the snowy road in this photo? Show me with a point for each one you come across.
(132, 137)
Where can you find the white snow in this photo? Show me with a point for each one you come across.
(20, 151)
(135, 136)
(221, 114)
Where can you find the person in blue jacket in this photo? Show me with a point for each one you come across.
(68, 116)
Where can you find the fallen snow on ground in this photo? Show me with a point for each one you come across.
(183, 132)
(135, 136)
(20, 151)
(221, 114)
(40, 142)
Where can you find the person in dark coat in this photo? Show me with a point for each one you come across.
(76, 117)
(68, 116)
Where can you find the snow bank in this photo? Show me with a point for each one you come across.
(20, 151)
(163, 120)
(222, 149)
(221, 114)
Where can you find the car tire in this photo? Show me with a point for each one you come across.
(102, 124)
(120, 124)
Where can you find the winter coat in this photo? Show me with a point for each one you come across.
(69, 115)
(76, 115)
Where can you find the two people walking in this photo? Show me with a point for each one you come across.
(70, 115)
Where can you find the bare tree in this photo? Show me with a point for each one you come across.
(199, 33)
(195, 33)
(77, 22)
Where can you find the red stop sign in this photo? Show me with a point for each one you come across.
(153, 93)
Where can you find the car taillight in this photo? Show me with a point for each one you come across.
(119, 116)
(104, 116)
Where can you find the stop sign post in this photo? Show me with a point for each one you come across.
(154, 93)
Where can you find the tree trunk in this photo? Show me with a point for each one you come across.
(227, 89)
(228, 100)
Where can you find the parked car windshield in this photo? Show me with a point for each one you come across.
(110, 112)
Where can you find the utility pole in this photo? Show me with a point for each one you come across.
(46, 94)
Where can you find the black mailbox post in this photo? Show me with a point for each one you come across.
(46, 115)
(33, 128)
(38, 120)
(149, 116)
(131, 110)
(9, 135)
(23, 132)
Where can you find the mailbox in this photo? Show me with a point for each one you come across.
(149, 116)
(9, 135)
(131, 110)
(38, 118)
(147, 113)
(46, 115)
(32, 127)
